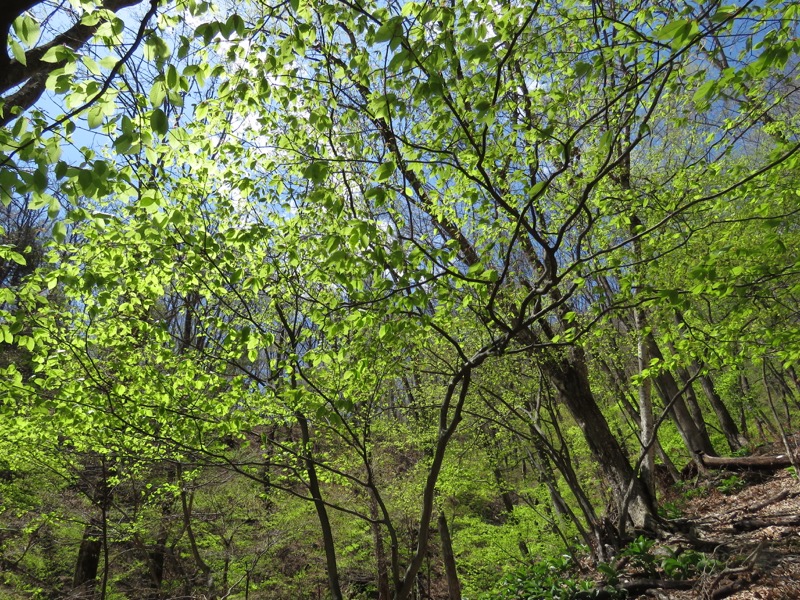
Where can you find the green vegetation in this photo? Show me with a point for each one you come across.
(731, 485)
(357, 299)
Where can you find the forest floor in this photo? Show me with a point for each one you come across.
(749, 524)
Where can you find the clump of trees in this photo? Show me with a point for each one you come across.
(356, 298)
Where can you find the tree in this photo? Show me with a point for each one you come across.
(301, 209)
(36, 54)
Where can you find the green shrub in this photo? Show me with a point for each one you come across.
(546, 580)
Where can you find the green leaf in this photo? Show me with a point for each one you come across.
(234, 24)
(724, 13)
(677, 32)
(59, 231)
(385, 171)
(150, 200)
(479, 52)
(95, 116)
(91, 65)
(155, 49)
(40, 179)
(7, 252)
(158, 93)
(27, 30)
(482, 105)
(18, 52)
(159, 122)
(390, 29)
(172, 78)
(123, 143)
(704, 92)
(583, 68)
(316, 171)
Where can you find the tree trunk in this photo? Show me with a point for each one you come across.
(157, 560)
(693, 437)
(647, 429)
(727, 424)
(381, 564)
(322, 512)
(736, 440)
(205, 569)
(618, 379)
(794, 378)
(453, 585)
(692, 403)
(569, 376)
(744, 386)
(94, 541)
(88, 561)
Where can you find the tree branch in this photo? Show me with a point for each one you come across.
(33, 76)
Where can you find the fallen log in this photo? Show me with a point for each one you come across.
(760, 523)
(744, 463)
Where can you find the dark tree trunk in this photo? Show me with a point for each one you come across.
(453, 585)
(570, 377)
(618, 380)
(89, 552)
(205, 569)
(736, 440)
(694, 437)
(157, 557)
(728, 426)
(322, 512)
(793, 375)
(94, 541)
(692, 403)
(384, 593)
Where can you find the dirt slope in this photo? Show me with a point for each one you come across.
(748, 523)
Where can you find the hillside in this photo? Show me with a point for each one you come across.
(749, 526)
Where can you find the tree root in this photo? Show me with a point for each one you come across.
(772, 500)
(739, 583)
